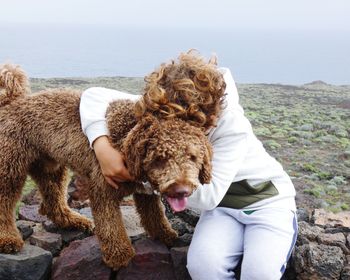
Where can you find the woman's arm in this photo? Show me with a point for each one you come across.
(230, 145)
(93, 106)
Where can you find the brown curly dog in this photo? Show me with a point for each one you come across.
(40, 135)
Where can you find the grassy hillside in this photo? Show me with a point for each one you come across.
(305, 127)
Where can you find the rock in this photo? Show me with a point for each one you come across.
(132, 221)
(77, 204)
(307, 232)
(179, 257)
(303, 215)
(50, 226)
(130, 216)
(314, 261)
(77, 195)
(48, 241)
(322, 251)
(322, 218)
(332, 239)
(32, 198)
(152, 261)
(31, 263)
(337, 229)
(25, 228)
(345, 274)
(68, 235)
(127, 201)
(71, 189)
(137, 237)
(81, 260)
(180, 226)
(30, 213)
(190, 216)
(183, 240)
(86, 212)
(336, 239)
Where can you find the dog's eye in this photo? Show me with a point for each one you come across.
(159, 162)
(193, 158)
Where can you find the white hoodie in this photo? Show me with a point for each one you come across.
(237, 153)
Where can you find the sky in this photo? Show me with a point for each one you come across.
(249, 14)
(290, 41)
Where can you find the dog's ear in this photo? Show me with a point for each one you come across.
(135, 146)
(205, 172)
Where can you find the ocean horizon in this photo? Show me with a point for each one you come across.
(254, 56)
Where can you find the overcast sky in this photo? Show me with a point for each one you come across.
(264, 14)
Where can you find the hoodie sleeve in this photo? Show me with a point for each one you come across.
(229, 140)
(230, 145)
(93, 106)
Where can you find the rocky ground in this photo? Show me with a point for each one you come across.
(322, 250)
(305, 127)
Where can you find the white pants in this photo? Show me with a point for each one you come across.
(265, 239)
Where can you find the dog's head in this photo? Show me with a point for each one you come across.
(172, 155)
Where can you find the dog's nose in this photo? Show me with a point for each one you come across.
(179, 191)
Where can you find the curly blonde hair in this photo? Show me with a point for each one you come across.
(189, 88)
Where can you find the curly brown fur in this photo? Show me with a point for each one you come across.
(13, 83)
(188, 88)
(170, 149)
(41, 135)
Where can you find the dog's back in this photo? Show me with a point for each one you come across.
(44, 123)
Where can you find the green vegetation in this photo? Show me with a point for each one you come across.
(311, 124)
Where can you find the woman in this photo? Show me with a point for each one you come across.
(248, 209)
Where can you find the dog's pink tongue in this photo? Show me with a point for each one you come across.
(177, 204)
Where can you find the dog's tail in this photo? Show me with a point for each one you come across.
(13, 83)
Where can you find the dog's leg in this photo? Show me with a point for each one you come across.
(51, 180)
(153, 219)
(12, 178)
(116, 247)
(10, 192)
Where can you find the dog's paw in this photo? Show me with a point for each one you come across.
(82, 223)
(169, 237)
(70, 219)
(10, 244)
(119, 260)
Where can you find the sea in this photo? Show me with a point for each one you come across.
(253, 55)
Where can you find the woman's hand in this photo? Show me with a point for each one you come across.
(111, 162)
